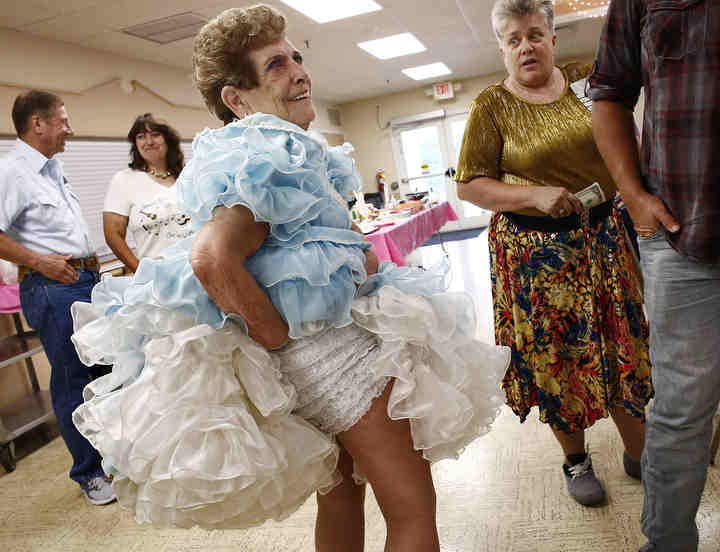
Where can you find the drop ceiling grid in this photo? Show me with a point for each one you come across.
(341, 71)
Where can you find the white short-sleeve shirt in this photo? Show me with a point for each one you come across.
(155, 221)
(38, 208)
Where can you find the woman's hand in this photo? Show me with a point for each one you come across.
(495, 195)
(115, 230)
(218, 256)
(556, 201)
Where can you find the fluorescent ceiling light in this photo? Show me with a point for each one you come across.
(323, 11)
(423, 72)
(393, 46)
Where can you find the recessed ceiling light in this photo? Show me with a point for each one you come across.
(393, 46)
(323, 11)
(423, 72)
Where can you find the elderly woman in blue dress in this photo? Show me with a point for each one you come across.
(263, 359)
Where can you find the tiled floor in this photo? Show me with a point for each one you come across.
(469, 272)
(506, 492)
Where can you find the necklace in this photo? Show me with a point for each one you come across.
(158, 174)
(548, 93)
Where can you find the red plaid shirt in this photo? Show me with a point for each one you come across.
(672, 49)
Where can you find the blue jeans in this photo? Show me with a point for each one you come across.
(46, 305)
(683, 303)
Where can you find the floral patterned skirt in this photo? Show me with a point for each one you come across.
(569, 304)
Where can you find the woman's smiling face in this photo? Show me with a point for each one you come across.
(284, 87)
(151, 145)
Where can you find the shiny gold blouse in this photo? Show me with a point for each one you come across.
(526, 144)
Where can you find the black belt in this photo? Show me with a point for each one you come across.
(564, 224)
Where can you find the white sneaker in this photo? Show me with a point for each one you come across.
(98, 491)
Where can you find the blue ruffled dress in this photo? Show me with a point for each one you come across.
(202, 426)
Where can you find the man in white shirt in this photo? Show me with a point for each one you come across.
(42, 230)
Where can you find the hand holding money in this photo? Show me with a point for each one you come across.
(591, 196)
(556, 201)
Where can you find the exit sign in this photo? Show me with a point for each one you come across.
(443, 91)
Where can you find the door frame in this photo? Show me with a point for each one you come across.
(443, 126)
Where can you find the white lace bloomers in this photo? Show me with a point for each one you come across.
(202, 426)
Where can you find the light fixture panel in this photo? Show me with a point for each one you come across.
(429, 71)
(324, 11)
(393, 46)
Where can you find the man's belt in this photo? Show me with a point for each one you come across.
(86, 263)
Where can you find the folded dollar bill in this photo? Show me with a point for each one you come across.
(591, 196)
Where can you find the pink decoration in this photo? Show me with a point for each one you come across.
(392, 243)
(9, 298)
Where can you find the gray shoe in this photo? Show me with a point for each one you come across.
(632, 467)
(98, 491)
(582, 484)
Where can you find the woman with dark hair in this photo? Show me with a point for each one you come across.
(141, 198)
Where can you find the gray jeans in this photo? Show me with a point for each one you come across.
(683, 303)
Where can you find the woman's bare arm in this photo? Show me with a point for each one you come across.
(494, 195)
(371, 261)
(115, 230)
(218, 257)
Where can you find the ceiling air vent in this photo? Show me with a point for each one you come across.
(334, 116)
(168, 29)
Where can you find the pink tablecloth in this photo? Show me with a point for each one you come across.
(9, 298)
(392, 243)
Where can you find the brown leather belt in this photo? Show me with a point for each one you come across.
(86, 263)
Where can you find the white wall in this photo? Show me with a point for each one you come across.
(322, 122)
(105, 92)
(372, 141)
(90, 83)
(373, 144)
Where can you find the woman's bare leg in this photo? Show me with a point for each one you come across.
(571, 443)
(632, 431)
(340, 523)
(399, 475)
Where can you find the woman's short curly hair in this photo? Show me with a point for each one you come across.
(504, 10)
(220, 52)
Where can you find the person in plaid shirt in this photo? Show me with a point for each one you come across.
(672, 191)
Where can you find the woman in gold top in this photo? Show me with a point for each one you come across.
(566, 293)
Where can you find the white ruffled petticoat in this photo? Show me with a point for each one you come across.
(206, 434)
(202, 426)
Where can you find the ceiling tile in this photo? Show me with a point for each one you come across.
(176, 54)
(69, 6)
(455, 32)
(18, 14)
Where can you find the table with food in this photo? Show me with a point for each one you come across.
(398, 230)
